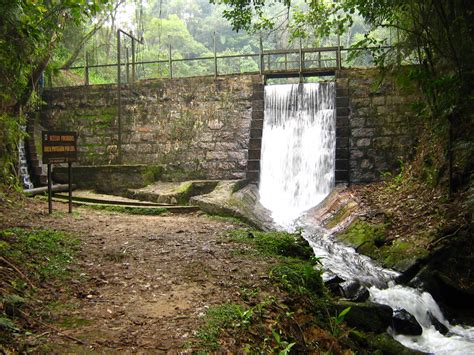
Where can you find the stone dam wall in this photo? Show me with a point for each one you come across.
(199, 127)
(376, 126)
(211, 128)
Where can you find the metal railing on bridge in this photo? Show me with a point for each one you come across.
(272, 63)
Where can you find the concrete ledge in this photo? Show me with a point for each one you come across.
(103, 178)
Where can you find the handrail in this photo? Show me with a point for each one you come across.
(267, 59)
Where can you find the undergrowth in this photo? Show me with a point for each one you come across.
(274, 243)
(29, 259)
(291, 315)
(147, 211)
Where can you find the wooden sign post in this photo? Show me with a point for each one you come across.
(59, 147)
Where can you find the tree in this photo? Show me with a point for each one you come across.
(29, 33)
(437, 35)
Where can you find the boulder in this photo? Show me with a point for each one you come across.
(389, 346)
(440, 327)
(367, 316)
(354, 291)
(235, 199)
(332, 281)
(405, 323)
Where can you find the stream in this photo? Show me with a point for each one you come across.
(297, 173)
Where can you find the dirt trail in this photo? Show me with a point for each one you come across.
(145, 281)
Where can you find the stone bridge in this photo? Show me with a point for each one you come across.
(211, 127)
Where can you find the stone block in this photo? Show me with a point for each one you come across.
(382, 142)
(363, 142)
(342, 176)
(342, 164)
(237, 156)
(356, 154)
(366, 164)
(341, 90)
(253, 175)
(257, 105)
(256, 133)
(216, 155)
(378, 100)
(342, 121)
(356, 121)
(363, 132)
(256, 124)
(255, 144)
(342, 111)
(342, 102)
(255, 154)
(253, 165)
(342, 142)
(257, 115)
(342, 153)
(396, 99)
(343, 132)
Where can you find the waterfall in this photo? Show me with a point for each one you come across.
(298, 148)
(23, 164)
(297, 172)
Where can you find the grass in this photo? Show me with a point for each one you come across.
(147, 211)
(275, 243)
(45, 253)
(217, 319)
(29, 259)
(230, 219)
(298, 277)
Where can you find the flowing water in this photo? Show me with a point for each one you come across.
(298, 148)
(297, 173)
(23, 165)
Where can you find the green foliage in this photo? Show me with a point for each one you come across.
(275, 243)
(152, 173)
(147, 211)
(361, 232)
(298, 277)
(7, 325)
(336, 322)
(46, 253)
(10, 136)
(283, 347)
(218, 318)
(29, 31)
(41, 256)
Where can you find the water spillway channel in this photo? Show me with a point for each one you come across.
(298, 148)
(297, 173)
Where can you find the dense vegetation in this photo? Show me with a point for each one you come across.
(29, 34)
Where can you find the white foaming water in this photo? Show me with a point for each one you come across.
(298, 148)
(459, 340)
(348, 264)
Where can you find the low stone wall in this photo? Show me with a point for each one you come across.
(104, 179)
(382, 125)
(198, 127)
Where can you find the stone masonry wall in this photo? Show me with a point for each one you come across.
(210, 128)
(198, 127)
(382, 125)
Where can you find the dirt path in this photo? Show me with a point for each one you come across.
(145, 282)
